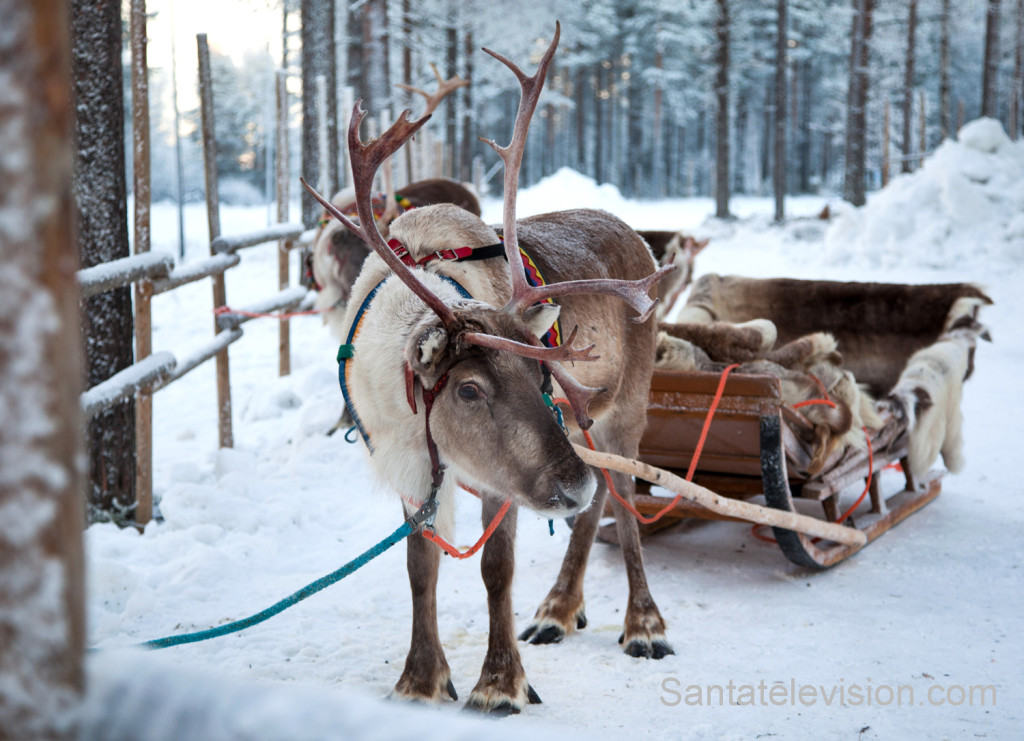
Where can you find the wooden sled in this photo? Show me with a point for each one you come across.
(755, 443)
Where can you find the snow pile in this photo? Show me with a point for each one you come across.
(964, 206)
(567, 189)
(136, 696)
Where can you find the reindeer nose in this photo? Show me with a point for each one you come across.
(578, 496)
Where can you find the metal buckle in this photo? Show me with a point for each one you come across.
(423, 518)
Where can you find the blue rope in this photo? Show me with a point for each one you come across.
(309, 590)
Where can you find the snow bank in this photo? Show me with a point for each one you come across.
(137, 696)
(964, 206)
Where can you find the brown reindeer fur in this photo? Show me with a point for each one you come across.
(878, 326)
(504, 441)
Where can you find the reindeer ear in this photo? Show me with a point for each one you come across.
(426, 349)
(539, 318)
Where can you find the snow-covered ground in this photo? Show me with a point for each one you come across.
(935, 605)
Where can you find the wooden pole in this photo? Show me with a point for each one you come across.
(727, 507)
(42, 621)
(224, 434)
(284, 364)
(143, 288)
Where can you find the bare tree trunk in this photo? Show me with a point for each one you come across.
(990, 74)
(318, 58)
(779, 173)
(658, 126)
(853, 184)
(407, 22)
(722, 112)
(41, 602)
(1018, 74)
(466, 163)
(101, 211)
(582, 83)
(805, 128)
(908, 88)
(599, 109)
(451, 133)
(945, 104)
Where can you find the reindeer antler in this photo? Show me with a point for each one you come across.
(634, 293)
(565, 351)
(366, 160)
(444, 87)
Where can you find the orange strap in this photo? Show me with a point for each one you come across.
(455, 552)
(693, 460)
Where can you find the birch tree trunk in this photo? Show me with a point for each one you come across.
(41, 603)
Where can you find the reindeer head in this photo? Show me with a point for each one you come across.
(490, 418)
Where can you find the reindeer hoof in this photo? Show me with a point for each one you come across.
(498, 703)
(428, 691)
(581, 620)
(548, 634)
(646, 648)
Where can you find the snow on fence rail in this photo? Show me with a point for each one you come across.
(155, 273)
(289, 231)
(119, 273)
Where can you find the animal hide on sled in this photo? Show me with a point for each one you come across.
(911, 346)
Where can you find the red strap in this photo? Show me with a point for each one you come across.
(460, 253)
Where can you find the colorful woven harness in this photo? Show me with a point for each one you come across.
(346, 352)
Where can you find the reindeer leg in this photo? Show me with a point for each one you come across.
(644, 631)
(426, 677)
(563, 608)
(502, 688)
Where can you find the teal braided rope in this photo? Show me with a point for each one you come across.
(309, 590)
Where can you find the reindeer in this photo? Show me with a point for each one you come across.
(471, 370)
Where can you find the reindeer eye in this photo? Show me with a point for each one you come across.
(469, 391)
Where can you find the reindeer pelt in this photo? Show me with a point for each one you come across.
(806, 367)
(928, 396)
(878, 325)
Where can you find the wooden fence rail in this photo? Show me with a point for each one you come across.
(155, 273)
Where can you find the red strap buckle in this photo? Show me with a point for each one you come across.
(401, 252)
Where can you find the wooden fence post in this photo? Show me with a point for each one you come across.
(143, 288)
(284, 246)
(42, 624)
(213, 219)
